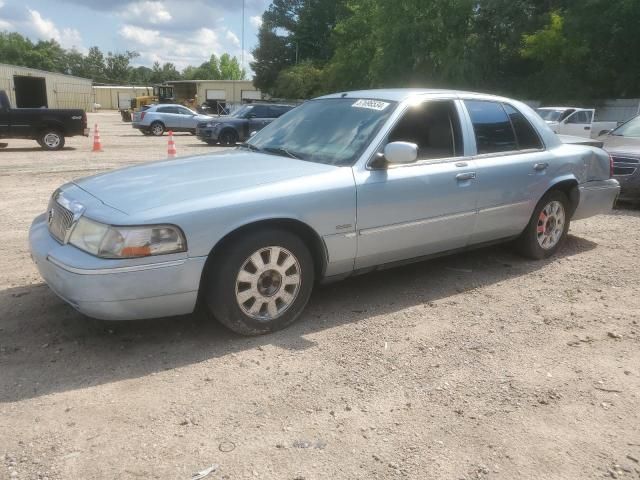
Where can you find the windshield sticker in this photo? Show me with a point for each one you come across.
(371, 104)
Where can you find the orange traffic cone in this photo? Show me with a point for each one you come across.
(97, 146)
(171, 151)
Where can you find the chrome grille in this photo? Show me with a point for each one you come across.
(60, 220)
(621, 159)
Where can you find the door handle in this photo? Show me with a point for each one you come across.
(465, 176)
(539, 167)
(587, 128)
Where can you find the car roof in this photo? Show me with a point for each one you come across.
(402, 94)
(559, 108)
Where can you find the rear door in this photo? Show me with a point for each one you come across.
(577, 124)
(170, 116)
(512, 168)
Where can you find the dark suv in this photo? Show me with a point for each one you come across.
(240, 125)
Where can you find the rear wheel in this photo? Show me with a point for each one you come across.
(261, 282)
(547, 228)
(228, 138)
(51, 140)
(157, 129)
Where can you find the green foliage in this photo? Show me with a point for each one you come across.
(300, 81)
(551, 49)
(114, 68)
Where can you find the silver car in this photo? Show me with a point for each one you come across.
(157, 119)
(342, 185)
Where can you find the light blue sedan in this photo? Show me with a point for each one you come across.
(342, 185)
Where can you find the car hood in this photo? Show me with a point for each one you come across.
(621, 145)
(151, 185)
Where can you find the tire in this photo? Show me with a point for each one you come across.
(156, 129)
(50, 139)
(547, 228)
(228, 138)
(239, 278)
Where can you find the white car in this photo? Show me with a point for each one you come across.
(574, 121)
(156, 119)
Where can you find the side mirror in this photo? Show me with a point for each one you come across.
(399, 153)
(251, 115)
(605, 132)
(252, 133)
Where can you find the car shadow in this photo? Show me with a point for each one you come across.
(34, 149)
(47, 347)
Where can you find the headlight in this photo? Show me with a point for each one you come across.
(212, 124)
(106, 241)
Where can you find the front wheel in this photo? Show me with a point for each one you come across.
(547, 228)
(228, 138)
(261, 282)
(51, 140)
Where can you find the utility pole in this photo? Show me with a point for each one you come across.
(242, 42)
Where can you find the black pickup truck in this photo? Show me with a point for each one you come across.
(47, 126)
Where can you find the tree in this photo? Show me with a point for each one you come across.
(300, 81)
(116, 66)
(230, 68)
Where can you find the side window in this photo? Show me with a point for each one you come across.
(526, 135)
(167, 110)
(579, 117)
(434, 127)
(566, 113)
(491, 126)
(184, 111)
(260, 111)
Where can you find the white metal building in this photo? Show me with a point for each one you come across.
(114, 97)
(28, 87)
(221, 91)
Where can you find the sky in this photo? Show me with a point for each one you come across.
(184, 32)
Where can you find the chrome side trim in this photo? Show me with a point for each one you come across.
(108, 271)
(426, 221)
(502, 207)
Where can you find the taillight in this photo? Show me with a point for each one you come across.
(142, 116)
(610, 166)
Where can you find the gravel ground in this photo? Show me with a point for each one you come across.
(481, 365)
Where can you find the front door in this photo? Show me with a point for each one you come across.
(414, 210)
(577, 124)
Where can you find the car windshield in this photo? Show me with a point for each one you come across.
(629, 129)
(242, 111)
(549, 115)
(333, 131)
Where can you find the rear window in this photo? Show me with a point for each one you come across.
(526, 135)
(492, 127)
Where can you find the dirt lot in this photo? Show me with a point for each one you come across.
(481, 365)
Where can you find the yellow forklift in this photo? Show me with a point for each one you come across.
(161, 94)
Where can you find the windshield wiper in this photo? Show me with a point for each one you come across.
(281, 151)
(253, 148)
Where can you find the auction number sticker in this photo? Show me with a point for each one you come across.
(371, 104)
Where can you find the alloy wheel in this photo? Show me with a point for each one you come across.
(551, 223)
(268, 283)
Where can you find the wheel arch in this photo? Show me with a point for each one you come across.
(307, 234)
(569, 186)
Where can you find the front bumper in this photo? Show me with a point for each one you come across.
(209, 134)
(117, 291)
(596, 197)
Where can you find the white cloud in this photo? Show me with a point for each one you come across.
(156, 46)
(232, 38)
(45, 29)
(256, 21)
(147, 12)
